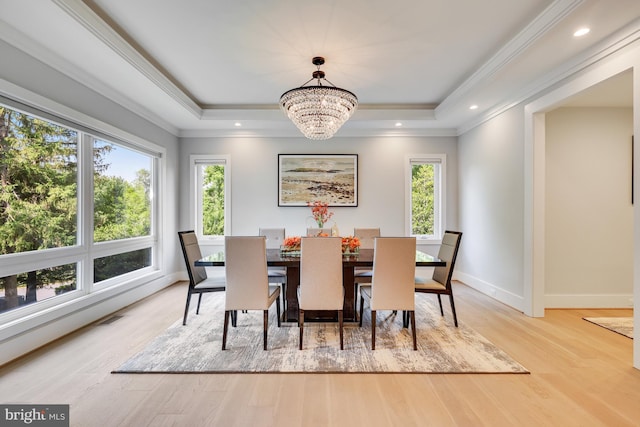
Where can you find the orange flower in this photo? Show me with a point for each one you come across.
(320, 212)
(292, 242)
(350, 243)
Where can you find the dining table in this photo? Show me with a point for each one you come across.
(363, 258)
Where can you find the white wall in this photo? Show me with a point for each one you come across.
(381, 181)
(589, 215)
(24, 78)
(490, 171)
(502, 174)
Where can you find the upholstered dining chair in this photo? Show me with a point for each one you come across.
(367, 237)
(392, 284)
(247, 281)
(320, 279)
(313, 232)
(440, 282)
(275, 238)
(199, 283)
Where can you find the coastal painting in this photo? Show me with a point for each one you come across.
(328, 178)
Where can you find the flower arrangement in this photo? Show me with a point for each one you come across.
(291, 243)
(350, 244)
(320, 212)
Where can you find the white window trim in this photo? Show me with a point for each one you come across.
(83, 252)
(440, 189)
(195, 202)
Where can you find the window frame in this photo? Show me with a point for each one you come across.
(195, 203)
(440, 190)
(85, 250)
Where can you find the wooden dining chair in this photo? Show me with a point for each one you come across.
(275, 238)
(199, 282)
(392, 284)
(440, 281)
(247, 281)
(321, 285)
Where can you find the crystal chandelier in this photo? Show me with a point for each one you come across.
(318, 111)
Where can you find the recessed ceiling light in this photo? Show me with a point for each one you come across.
(398, 124)
(237, 124)
(473, 107)
(581, 32)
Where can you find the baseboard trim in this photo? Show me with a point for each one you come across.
(588, 301)
(493, 291)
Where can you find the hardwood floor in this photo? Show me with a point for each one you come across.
(581, 375)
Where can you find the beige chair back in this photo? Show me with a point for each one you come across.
(321, 274)
(394, 264)
(275, 236)
(191, 252)
(448, 252)
(246, 272)
(366, 236)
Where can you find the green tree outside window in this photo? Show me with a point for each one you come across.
(213, 192)
(422, 199)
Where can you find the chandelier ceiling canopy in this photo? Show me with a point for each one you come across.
(320, 110)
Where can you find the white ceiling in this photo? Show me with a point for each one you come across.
(196, 67)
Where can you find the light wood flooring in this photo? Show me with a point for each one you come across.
(581, 375)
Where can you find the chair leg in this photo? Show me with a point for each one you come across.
(199, 300)
(234, 318)
(341, 323)
(301, 324)
(453, 310)
(373, 329)
(225, 329)
(186, 308)
(265, 326)
(361, 309)
(412, 315)
(283, 290)
(440, 302)
(278, 311)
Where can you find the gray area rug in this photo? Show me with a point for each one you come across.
(442, 348)
(620, 325)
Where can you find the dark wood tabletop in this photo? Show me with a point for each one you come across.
(275, 258)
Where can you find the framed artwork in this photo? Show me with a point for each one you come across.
(328, 178)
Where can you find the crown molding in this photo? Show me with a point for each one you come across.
(553, 14)
(617, 42)
(85, 16)
(28, 46)
(292, 132)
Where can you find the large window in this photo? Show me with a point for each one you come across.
(38, 183)
(75, 210)
(425, 201)
(211, 189)
(121, 192)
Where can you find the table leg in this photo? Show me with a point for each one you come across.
(293, 280)
(349, 309)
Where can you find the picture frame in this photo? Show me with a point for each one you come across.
(327, 178)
